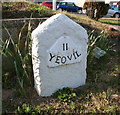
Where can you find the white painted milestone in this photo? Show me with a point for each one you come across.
(59, 55)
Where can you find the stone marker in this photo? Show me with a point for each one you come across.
(59, 55)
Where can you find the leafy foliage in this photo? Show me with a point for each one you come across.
(65, 95)
(26, 108)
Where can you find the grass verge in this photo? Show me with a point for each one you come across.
(110, 21)
(24, 10)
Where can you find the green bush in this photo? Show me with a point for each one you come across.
(96, 10)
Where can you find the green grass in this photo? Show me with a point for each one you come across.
(110, 21)
(90, 102)
(24, 9)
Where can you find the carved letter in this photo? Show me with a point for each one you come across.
(57, 60)
(51, 57)
(63, 59)
(77, 54)
(74, 55)
(70, 57)
(65, 46)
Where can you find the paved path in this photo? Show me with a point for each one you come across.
(105, 17)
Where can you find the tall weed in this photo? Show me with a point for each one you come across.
(20, 57)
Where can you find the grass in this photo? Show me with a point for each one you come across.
(100, 94)
(24, 10)
(110, 21)
(20, 57)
